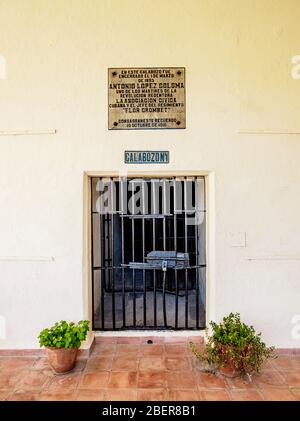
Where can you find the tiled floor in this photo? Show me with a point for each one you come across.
(131, 369)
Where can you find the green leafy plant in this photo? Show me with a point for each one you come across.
(64, 335)
(234, 343)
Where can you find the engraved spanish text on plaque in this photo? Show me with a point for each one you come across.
(146, 98)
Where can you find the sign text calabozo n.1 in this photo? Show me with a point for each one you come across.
(146, 157)
(146, 98)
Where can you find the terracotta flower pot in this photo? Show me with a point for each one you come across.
(62, 360)
(228, 370)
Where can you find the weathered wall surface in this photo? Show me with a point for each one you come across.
(237, 56)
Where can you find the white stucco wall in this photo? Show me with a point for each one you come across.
(237, 55)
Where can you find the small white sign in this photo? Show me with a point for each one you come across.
(236, 239)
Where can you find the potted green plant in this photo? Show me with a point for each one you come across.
(234, 348)
(62, 342)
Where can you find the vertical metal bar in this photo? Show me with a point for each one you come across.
(108, 262)
(196, 249)
(186, 250)
(123, 256)
(92, 255)
(175, 248)
(144, 252)
(164, 211)
(133, 258)
(154, 246)
(112, 194)
(103, 272)
(164, 246)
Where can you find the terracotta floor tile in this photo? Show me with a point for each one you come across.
(285, 363)
(181, 380)
(99, 364)
(176, 339)
(10, 379)
(210, 381)
(292, 378)
(152, 395)
(295, 392)
(64, 381)
(198, 340)
(121, 395)
(196, 364)
(127, 349)
(25, 395)
(107, 350)
(178, 364)
(125, 363)
(153, 350)
(152, 364)
(172, 350)
(80, 365)
(89, 395)
(40, 364)
(102, 340)
(152, 379)
(13, 363)
(94, 380)
(122, 380)
(57, 396)
(183, 395)
(199, 346)
(131, 340)
(246, 395)
(270, 378)
(240, 383)
(214, 395)
(155, 340)
(35, 379)
(4, 394)
(277, 394)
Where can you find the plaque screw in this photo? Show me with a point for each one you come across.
(178, 123)
(114, 73)
(179, 72)
(115, 124)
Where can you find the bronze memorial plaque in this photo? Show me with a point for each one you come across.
(146, 98)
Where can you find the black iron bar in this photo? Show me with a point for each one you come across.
(197, 193)
(175, 248)
(154, 245)
(92, 256)
(108, 255)
(112, 195)
(144, 252)
(102, 274)
(123, 256)
(141, 267)
(164, 298)
(164, 246)
(133, 258)
(186, 250)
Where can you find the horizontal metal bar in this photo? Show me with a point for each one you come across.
(147, 328)
(142, 266)
(147, 216)
(146, 268)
